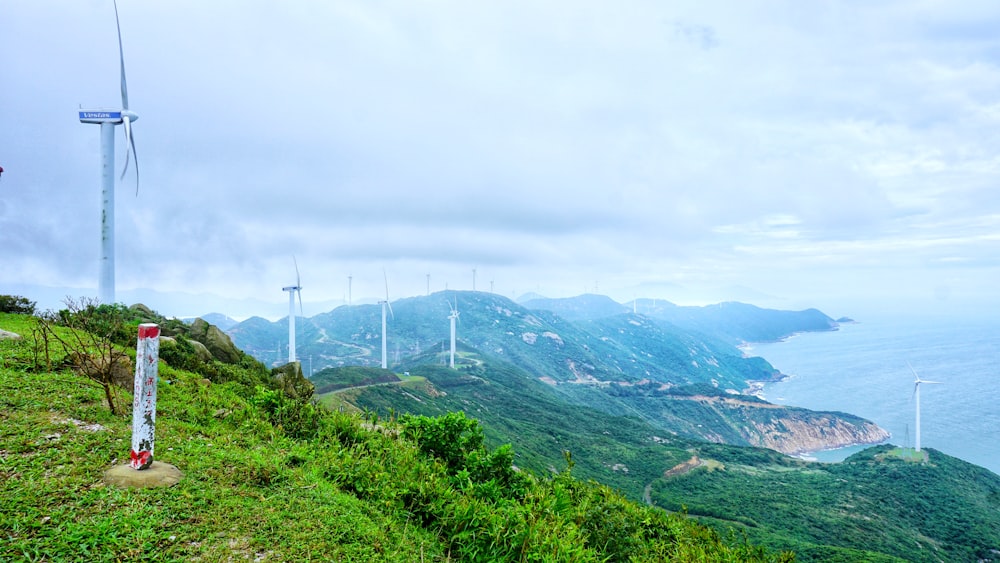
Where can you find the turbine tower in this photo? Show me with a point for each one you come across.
(916, 395)
(108, 119)
(292, 291)
(453, 317)
(385, 358)
(349, 279)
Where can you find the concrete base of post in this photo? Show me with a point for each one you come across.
(158, 474)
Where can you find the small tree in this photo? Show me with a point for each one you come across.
(93, 344)
(16, 304)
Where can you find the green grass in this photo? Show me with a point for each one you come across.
(873, 506)
(349, 488)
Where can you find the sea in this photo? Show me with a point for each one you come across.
(867, 368)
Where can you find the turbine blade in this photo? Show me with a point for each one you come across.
(915, 376)
(298, 280)
(121, 55)
(389, 305)
(299, 291)
(130, 151)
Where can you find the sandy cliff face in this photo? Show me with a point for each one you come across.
(822, 431)
(788, 430)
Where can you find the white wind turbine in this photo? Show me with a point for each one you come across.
(916, 395)
(292, 291)
(385, 358)
(108, 119)
(453, 317)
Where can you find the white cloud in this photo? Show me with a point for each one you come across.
(557, 145)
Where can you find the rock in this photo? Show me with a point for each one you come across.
(4, 335)
(158, 474)
(167, 342)
(291, 380)
(147, 314)
(216, 341)
(96, 367)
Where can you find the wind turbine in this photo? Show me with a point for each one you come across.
(453, 317)
(108, 119)
(916, 395)
(292, 290)
(385, 358)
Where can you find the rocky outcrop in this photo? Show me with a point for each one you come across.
(289, 377)
(200, 350)
(824, 431)
(216, 341)
(743, 420)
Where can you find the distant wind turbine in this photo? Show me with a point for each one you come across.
(916, 395)
(349, 278)
(292, 291)
(108, 119)
(473, 279)
(385, 358)
(453, 317)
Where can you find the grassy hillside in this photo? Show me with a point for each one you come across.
(941, 510)
(271, 478)
(863, 509)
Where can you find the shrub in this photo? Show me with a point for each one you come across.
(16, 304)
(93, 344)
(297, 418)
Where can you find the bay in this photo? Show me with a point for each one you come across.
(863, 368)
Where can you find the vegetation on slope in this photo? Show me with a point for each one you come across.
(875, 501)
(836, 512)
(271, 477)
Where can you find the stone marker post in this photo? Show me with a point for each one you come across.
(147, 357)
(153, 473)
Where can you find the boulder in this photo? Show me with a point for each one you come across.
(95, 366)
(4, 335)
(291, 380)
(168, 342)
(216, 341)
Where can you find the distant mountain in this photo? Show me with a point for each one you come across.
(530, 296)
(738, 322)
(581, 307)
(218, 319)
(539, 341)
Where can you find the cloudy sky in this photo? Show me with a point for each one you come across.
(830, 154)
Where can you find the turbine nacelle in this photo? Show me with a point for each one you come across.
(114, 116)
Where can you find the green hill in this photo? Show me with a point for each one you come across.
(870, 508)
(271, 477)
(620, 363)
(941, 510)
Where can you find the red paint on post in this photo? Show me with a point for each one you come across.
(147, 358)
(149, 331)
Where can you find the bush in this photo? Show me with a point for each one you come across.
(297, 418)
(16, 304)
(94, 344)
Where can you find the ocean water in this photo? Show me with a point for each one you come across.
(862, 369)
